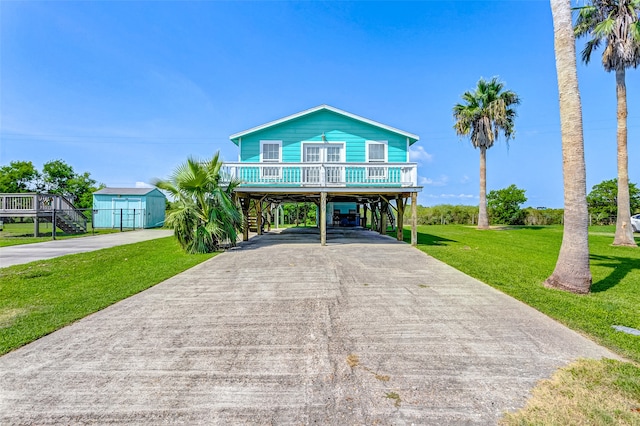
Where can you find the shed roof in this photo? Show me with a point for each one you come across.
(126, 191)
(236, 136)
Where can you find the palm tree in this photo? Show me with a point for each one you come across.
(615, 23)
(206, 214)
(485, 113)
(572, 268)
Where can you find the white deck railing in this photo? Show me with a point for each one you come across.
(34, 204)
(323, 174)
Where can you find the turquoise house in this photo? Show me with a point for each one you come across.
(128, 208)
(345, 163)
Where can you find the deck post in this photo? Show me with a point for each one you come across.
(363, 219)
(53, 224)
(259, 217)
(400, 224)
(36, 223)
(384, 210)
(414, 219)
(323, 218)
(244, 204)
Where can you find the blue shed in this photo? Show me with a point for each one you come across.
(128, 207)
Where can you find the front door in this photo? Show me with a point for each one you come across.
(334, 155)
(311, 154)
(323, 153)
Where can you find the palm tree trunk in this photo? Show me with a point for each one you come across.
(483, 219)
(572, 268)
(624, 232)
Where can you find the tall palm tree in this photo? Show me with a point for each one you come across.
(206, 214)
(486, 112)
(615, 23)
(572, 268)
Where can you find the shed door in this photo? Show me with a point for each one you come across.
(119, 212)
(128, 212)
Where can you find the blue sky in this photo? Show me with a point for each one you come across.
(128, 90)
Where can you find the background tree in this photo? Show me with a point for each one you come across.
(81, 187)
(486, 112)
(59, 178)
(296, 213)
(572, 268)
(56, 175)
(504, 205)
(615, 23)
(205, 213)
(602, 200)
(18, 176)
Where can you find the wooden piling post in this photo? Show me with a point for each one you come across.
(363, 219)
(259, 217)
(244, 204)
(384, 211)
(400, 209)
(414, 218)
(323, 218)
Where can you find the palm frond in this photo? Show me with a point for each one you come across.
(206, 213)
(486, 113)
(614, 23)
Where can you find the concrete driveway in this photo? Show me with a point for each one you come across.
(283, 331)
(17, 255)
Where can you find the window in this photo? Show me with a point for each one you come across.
(376, 152)
(334, 154)
(270, 151)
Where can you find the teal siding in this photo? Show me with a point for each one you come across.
(334, 126)
(344, 208)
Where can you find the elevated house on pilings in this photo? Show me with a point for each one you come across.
(351, 167)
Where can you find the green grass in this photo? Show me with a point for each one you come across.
(516, 260)
(22, 233)
(40, 297)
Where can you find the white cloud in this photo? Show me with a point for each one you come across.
(418, 154)
(456, 196)
(465, 179)
(441, 181)
(143, 185)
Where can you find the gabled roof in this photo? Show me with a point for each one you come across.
(412, 138)
(125, 191)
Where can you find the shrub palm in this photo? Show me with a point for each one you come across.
(206, 214)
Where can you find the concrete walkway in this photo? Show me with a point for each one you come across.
(283, 331)
(17, 255)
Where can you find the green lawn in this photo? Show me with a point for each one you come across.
(516, 260)
(40, 297)
(22, 233)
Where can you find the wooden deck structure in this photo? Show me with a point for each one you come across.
(52, 208)
(376, 200)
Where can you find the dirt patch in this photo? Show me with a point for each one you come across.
(8, 316)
